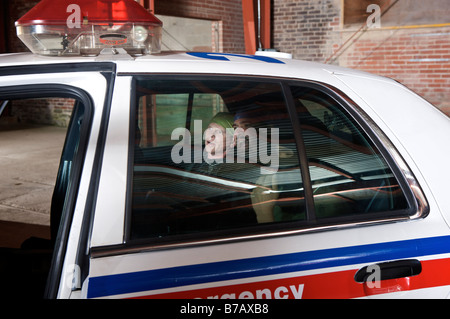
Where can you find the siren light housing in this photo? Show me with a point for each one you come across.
(86, 27)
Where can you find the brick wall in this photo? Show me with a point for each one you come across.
(307, 29)
(47, 111)
(418, 57)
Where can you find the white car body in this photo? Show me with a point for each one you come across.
(313, 262)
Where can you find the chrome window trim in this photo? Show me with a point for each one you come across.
(109, 251)
(361, 118)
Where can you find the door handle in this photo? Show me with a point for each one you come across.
(389, 270)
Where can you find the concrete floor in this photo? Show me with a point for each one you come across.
(29, 159)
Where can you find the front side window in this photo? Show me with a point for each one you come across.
(212, 155)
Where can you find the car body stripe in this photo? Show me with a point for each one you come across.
(337, 285)
(263, 266)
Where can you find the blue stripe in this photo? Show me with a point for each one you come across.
(263, 266)
(223, 56)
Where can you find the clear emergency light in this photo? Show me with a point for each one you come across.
(86, 27)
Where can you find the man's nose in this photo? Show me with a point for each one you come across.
(210, 138)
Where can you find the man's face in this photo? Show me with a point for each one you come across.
(215, 140)
(240, 126)
(243, 123)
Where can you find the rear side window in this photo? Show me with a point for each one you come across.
(221, 157)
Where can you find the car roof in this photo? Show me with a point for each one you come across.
(198, 63)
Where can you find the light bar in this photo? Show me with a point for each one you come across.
(85, 27)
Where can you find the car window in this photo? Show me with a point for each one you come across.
(349, 175)
(212, 156)
(216, 156)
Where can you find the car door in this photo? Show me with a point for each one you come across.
(310, 201)
(50, 124)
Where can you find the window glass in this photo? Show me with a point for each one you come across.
(212, 155)
(219, 155)
(349, 175)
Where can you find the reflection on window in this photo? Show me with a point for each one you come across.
(212, 156)
(348, 174)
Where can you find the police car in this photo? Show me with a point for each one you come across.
(214, 175)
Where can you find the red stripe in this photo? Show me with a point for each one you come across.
(340, 284)
(435, 273)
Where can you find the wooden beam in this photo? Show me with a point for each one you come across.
(148, 129)
(148, 4)
(265, 24)
(248, 16)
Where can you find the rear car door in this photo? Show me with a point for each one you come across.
(50, 125)
(309, 200)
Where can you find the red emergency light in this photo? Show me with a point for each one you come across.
(85, 27)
